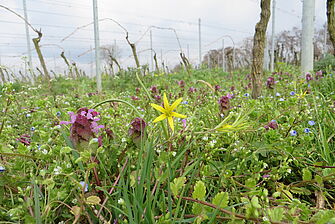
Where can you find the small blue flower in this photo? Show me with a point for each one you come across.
(281, 99)
(293, 133)
(277, 94)
(58, 113)
(292, 93)
(247, 94)
(307, 130)
(311, 123)
(28, 115)
(82, 183)
(2, 169)
(32, 129)
(184, 102)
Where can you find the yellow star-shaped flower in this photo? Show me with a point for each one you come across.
(167, 111)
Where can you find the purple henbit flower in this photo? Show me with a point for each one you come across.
(154, 89)
(217, 88)
(232, 88)
(84, 125)
(308, 77)
(137, 90)
(158, 97)
(24, 139)
(318, 75)
(134, 98)
(230, 96)
(224, 104)
(137, 128)
(192, 90)
(181, 83)
(270, 82)
(184, 123)
(273, 124)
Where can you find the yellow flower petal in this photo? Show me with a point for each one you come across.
(175, 104)
(159, 118)
(174, 114)
(157, 107)
(166, 102)
(170, 120)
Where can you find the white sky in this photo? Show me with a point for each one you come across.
(58, 18)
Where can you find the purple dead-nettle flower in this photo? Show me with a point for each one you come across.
(134, 98)
(230, 96)
(157, 97)
(154, 89)
(224, 103)
(270, 82)
(192, 90)
(24, 139)
(84, 125)
(181, 83)
(308, 77)
(184, 123)
(266, 176)
(318, 75)
(217, 88)
(137, 90)
(232, 88)
(137, 128)
(273, 124)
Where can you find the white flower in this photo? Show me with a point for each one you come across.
(205, 138)
(123, 140)
(57, 170)
(174, 154)
(120, 201)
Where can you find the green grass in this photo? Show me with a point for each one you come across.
(277, 174)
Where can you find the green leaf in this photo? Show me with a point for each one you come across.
(197, 208)
(177, 185)
(306, 174)
(65, 150)
(199, 190)
(319, 180)
(221, 199)
(255, 203)
(93, 200)
(276, 214)
(251, 183)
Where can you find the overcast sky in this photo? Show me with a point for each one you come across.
(58, 18)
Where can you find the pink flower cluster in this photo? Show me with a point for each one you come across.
(84, 125)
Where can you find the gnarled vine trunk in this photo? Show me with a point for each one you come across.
(258, 49)
(331, 21)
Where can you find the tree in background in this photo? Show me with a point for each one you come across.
(258, 49)
(111, 54)
(331, 20)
